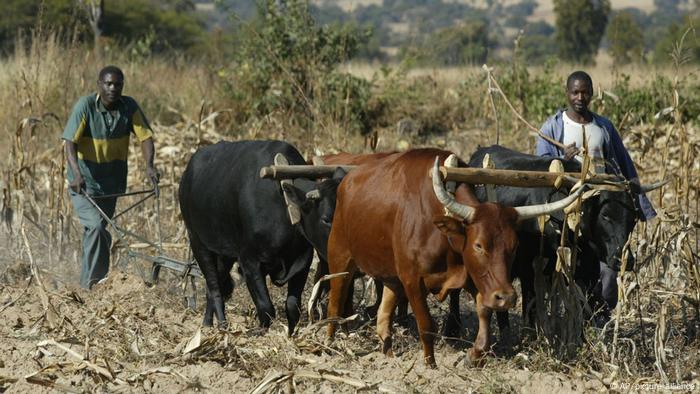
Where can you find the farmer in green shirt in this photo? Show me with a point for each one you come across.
(96, 143)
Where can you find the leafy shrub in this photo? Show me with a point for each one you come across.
(286, 64)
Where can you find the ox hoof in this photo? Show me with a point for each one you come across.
(386, 347)
(476, 358)
(223, 325)
(208, 322)
(430, 362)
(452, 330)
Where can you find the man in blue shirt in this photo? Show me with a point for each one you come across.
(604, 145)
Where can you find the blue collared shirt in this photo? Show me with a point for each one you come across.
(617, 158)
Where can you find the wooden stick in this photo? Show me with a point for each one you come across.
(467, 175)
(300, 171)
(518, 178)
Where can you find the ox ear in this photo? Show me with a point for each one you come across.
(294, 195)
(339, 174)
(449, 225)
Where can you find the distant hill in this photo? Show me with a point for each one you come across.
(543, 12)
(406, 26)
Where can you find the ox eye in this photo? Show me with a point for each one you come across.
(326, 220)
(478, 247)
(607, 218)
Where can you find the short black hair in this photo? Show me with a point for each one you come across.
(110, 70)
(579, 76)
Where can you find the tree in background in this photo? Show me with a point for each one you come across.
(668, 45)
(580, 25)
(288, 64)
(625, 38)
(95, 10)
(161, 24)
(456, 46)
(666, 14)
(156, 25)
(537, 43)
(20, 17)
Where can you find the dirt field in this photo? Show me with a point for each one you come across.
(126, 336)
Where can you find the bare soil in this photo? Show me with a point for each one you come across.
(125, 335)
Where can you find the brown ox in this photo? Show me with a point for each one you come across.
(390, 223)
(344, 158)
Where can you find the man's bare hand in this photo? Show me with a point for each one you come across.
(77, 184)
(153, 175)
(570, 151)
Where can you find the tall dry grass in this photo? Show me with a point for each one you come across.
(653, 337)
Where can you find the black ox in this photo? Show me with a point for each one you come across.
(607, 221)
(232, 214)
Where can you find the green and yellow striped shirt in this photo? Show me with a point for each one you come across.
(102, 139)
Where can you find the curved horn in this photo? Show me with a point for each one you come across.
(463, 211)
(533, 211)
(653, 186)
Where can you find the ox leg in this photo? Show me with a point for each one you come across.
(385, 315)
(294, 289)
(482, 342)
(402, 308)
(453, 325)
(529, 311)
(208, 264)
(223, 268)
(379, 291)
(321, 271)
(255, 280)
(416, 293)
(209, 312)
(340, 287)
(503, 321)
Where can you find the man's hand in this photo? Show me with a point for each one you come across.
(570, 151)
(78, 183)
(153, 175)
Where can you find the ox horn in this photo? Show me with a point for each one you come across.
(653, 186)
(313, 195)
(463, 211)
(533, 211)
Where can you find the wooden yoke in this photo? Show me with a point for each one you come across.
(300, 171)
(456, 174)
(292, 209)
(490, 190)
(519, 178)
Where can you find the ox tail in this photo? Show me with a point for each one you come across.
(226, 287)
(226, 283)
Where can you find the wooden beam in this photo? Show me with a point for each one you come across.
(467, 175)
(300, 171)
(518, 178)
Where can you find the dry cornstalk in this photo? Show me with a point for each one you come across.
(100, 370)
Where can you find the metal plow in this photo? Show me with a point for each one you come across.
(188, 270)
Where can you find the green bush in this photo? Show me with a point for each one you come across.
(286, 64)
